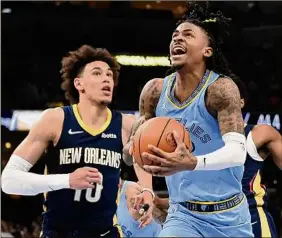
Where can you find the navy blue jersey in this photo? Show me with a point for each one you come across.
(77, 147)
(252, 187)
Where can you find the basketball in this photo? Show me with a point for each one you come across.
(158, 131)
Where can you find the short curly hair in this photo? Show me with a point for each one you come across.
(74, 63)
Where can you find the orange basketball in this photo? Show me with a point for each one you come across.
(158, 132)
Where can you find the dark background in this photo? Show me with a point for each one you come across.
(36, 35)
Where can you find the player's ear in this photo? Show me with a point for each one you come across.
(242, 103)
(208, 51)
(78, 84)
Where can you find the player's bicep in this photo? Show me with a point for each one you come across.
(224, 99)
(36, 142)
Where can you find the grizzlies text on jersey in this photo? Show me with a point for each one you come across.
(80, 146)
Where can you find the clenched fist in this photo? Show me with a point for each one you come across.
(84, 178)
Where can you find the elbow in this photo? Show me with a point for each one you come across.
(6, 188)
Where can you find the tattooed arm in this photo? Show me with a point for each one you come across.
(148, 101)
(223, 100)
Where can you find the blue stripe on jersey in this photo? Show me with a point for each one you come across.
(79, 147)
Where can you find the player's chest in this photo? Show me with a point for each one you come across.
(80, 156)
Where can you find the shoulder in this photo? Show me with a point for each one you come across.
(222, 85)
(222, 93)
(52, 116)
(154, 84)
(48, 125)
(264, 132)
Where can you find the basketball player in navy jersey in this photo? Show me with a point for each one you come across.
(84, 143)
(204, 186)
(262, 140)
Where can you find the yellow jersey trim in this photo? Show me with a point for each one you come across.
(92, 131)
(191, 101)
(259, 193)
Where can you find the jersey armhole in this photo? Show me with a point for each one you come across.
(60, 133)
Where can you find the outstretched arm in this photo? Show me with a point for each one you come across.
(16, 178)
(270, 137)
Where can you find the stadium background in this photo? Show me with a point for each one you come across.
(36, 35)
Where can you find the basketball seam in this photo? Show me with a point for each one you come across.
(139, 143)
(163, 132)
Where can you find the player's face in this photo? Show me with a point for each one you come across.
(97, 82)
(189, 45)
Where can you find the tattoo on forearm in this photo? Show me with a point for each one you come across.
(224, 98)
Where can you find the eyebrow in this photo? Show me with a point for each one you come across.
(186, 30)
(99, 68)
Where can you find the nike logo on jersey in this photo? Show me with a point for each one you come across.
(112, 136)
(74, 132)
(105, 233)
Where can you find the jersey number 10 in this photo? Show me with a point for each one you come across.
(89, 192)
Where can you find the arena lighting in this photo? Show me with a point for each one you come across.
(8, 145)
(6, 10)
(143, 61)
(22, 120)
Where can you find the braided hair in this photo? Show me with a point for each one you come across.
(215, 25)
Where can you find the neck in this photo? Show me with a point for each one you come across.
(92, 115)
(187, 80)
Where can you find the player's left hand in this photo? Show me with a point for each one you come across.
(170, 163)
(140, 199)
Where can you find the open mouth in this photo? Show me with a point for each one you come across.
(178, 50)
(106, 89)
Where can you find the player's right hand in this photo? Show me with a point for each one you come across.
(84, 178)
